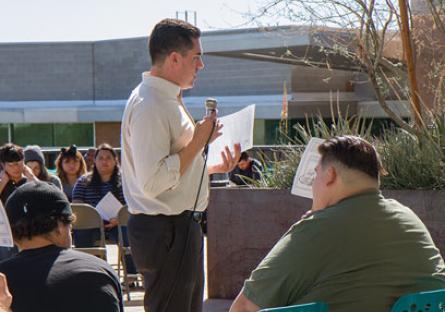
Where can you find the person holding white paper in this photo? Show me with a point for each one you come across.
(92, 188)
(357, 251)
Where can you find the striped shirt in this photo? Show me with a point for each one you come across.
(93, 194)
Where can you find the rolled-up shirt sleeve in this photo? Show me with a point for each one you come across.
(155, 168)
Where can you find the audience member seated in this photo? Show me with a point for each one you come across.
(247, 167)
(357, 251)
(35, 160)
(91, 188)
(14, 174)
(89, 158)
(47, 275)
(70, 165)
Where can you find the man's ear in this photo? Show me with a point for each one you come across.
(174, 57)
(331, 175)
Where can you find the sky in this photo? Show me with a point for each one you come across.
(87, 20)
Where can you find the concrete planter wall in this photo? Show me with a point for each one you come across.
(243, 224)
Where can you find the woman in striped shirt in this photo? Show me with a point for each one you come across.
(91, 188)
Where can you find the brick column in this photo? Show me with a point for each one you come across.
(108, 132)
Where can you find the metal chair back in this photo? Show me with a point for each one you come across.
(88, 218)
(431, 301)
(308, 307)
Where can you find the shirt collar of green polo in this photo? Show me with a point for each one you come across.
(369, 193)
(161, 84)
(357, 198)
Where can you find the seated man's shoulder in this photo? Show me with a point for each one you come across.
(86, 258)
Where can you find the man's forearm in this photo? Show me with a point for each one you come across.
(187, 154)
(243, 304)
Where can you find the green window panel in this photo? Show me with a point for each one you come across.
(4, 128)
(79, 134)
(26, 134)
(49, 135)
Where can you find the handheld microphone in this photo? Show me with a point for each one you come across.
(210, 105)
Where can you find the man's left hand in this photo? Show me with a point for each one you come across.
(229, 160)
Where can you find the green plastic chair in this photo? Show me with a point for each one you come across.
(308, 307)
(425, 301)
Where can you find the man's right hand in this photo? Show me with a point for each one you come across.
(204, 128)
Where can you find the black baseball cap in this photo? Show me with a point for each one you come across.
(37, 199)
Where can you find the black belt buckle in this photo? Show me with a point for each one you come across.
(197, 217)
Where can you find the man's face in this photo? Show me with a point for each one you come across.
(243, 164)
(14, 169)
(189, 65)
(320, 189)
(61, 236)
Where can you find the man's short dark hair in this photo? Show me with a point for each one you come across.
(171, 35)
(11, 153)
(244, 156)
(352, 152)
(39, 225)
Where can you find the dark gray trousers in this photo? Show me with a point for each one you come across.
(158, 246)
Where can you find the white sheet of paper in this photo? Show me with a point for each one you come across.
(305, 175)
(108, 207)
(5, 229)
(238, 128)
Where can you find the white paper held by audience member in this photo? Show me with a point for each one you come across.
(305, 175)
(109, 206)
(5, 229)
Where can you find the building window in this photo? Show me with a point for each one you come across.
(50, 135)
(26, 134)
(4, 133)
(79, 134)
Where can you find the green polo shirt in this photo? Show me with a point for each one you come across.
(358, 255)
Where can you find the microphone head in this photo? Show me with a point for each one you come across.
(211, 104)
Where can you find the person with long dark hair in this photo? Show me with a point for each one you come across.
(70, 165)
(92, 187)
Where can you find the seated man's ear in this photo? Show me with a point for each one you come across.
(331, 175)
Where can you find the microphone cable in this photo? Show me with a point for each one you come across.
(187, 241)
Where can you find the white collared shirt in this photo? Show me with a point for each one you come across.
(155, 127)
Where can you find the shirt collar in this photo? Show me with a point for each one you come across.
(161, 84)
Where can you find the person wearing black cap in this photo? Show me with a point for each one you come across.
(35, 160)
(46, 275)
(14, 173)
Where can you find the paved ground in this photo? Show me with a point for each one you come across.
(135, 305)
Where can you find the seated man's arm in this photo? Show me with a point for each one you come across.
(243, 304)
(287, 273)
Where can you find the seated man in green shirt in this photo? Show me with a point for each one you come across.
(356, 251)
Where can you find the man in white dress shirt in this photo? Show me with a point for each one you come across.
(162, 165)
